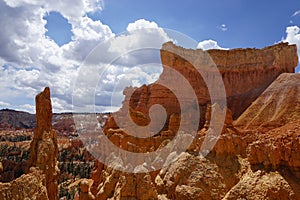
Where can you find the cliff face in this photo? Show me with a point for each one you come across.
(246, 73)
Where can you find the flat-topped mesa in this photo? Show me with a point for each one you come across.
(43, 147)
(280, 56)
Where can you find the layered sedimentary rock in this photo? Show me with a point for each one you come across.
(246, 73)
(43, 148)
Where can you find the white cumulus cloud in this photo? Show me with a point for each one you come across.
(141, 24)
(30, 60)
(129, 59)
(209, 44)
(293, 36)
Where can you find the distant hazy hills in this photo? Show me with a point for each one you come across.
(16, 119)
(62, 122)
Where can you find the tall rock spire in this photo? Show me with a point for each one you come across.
(43, 148)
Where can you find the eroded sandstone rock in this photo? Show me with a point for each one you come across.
(85, 193)
(43, 148)
(261, 185)
(28, 186)
(279, 147)
(276, 106)
(228, 169)
(246, 73)
(187, 178)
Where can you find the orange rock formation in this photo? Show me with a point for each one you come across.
(28, 186)
(254, 163)
(278, 104)
(43, 148)
(246, 74)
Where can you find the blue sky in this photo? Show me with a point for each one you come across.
(248, 23)
(59, 29)
(43, 43)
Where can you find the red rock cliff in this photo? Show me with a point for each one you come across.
(246, 73)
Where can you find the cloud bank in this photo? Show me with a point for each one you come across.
(29, 60)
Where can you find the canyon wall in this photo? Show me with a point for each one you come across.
(246, 73)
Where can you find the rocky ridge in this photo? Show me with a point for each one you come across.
(16, 119)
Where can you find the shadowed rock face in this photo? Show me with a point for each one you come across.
(16, 119)
(43, 148)
(276, 106)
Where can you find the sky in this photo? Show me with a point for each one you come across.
(51, 43)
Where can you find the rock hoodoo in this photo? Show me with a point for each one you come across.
(85, 193)
(43, 148)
